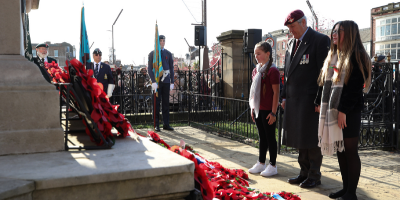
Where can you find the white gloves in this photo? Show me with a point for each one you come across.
(110, 90)
(171, 87)
(154, 86)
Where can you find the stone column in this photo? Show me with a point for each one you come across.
(29, 106)
(236, 80)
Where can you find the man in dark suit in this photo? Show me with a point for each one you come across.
(164, 86)
(304, 59)
(41, 57)
(102, 72)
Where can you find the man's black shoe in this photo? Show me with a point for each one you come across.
(337, 194)
(167, 127)
(309, 183)
(158, 129)
(299, 179)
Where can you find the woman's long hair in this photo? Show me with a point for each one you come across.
(351, 44)
(265, 47)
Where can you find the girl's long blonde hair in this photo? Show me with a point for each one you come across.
(351, 44)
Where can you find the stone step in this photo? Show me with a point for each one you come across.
(130, 170)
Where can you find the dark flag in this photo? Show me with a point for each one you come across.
(28, 44)
(84, 51)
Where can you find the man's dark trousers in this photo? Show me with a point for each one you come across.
(163, 96)
(310, 161)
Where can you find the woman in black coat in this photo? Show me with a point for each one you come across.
(346, 71)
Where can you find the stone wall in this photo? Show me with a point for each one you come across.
(235, 66)
(29, 109)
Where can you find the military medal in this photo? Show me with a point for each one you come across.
(105, 76)
(308, 58)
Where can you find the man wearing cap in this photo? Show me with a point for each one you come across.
(304, 59)
(41, 57)
(381, 59)
(102, 72)
(164, 86)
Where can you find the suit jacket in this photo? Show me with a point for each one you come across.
(168, 64)
(44, 72)
(104, 77)
(300, 123)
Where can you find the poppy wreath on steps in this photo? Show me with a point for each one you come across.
(104, 114)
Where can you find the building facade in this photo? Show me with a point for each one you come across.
(278, 39)
(59, 51)
(385, 25)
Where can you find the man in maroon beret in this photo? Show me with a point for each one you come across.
(304, 58)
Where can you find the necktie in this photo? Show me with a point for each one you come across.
(96, 70)
(295, 49)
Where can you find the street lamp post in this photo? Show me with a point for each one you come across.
(113, 58)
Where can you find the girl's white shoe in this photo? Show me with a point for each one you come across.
(257, 168)
(270, 171)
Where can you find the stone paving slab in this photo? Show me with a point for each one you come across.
(14, 187)
(380, 175)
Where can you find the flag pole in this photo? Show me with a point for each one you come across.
(154, 110)
(154, 92)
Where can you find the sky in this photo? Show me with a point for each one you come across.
(59, 21)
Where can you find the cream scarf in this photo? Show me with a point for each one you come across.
(330, 136)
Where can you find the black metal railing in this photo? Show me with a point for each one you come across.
(133, 89)
(379, 119)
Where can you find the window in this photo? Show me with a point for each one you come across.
(387, 27)
(387, 32)
(283, 45)
(393, 53)
(398, 54)
(55, 53)
(396, 6)
(278, 46)
(385, 8)
(34, 53)
(393, 49)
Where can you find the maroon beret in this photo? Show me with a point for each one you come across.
(293, 16)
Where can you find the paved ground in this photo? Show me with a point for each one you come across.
(380, 175)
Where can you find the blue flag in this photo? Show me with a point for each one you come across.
(84, 51)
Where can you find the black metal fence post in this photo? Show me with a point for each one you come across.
(397, 110)
(189, 95)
